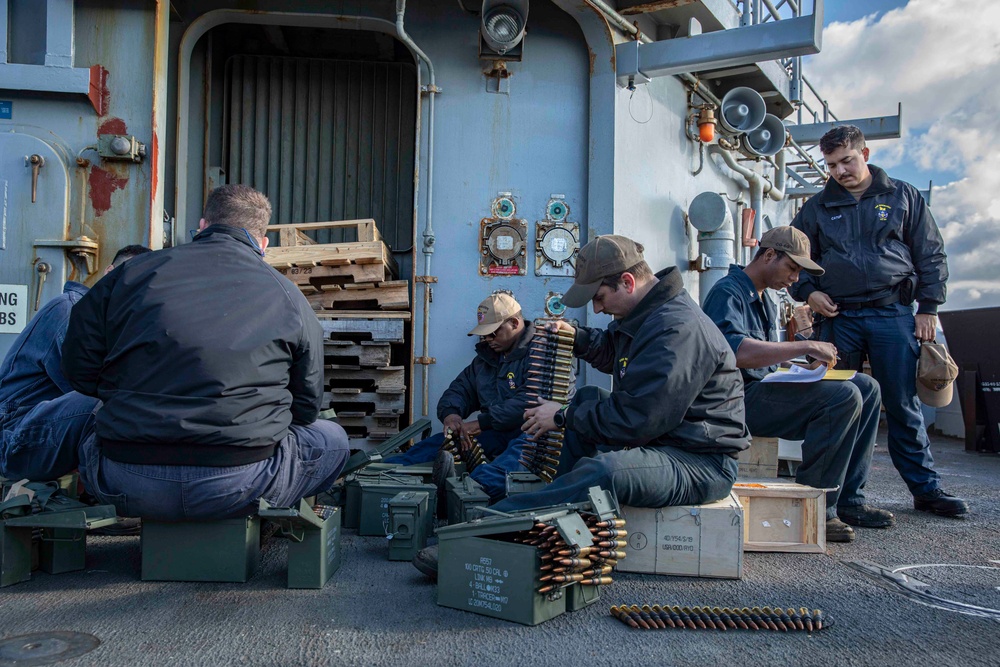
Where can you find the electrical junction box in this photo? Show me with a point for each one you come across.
(464, 493)
(557, 241)
(502, 240)
(408, 524)
(480, 568)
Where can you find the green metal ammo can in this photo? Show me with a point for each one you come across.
(408, 524)
(464, 493)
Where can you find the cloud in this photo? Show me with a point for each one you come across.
(941, 59)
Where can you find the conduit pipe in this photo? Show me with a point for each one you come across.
(428, 234)
(757, 184)
(622, 24)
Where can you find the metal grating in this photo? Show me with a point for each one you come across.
(325, 140)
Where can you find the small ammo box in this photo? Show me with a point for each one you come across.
(373, 495)
(226, 550)
(408, 524)
(523, 482)
(314, 541)
(483, 570)
(464, 493)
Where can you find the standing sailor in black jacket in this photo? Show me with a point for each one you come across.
(209, 365)
(671, 428)
(882, 251)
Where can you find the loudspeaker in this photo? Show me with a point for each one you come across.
(767, 139)
(742, 110)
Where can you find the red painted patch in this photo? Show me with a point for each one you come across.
(100, 96)
(102, 185)
(113, 126)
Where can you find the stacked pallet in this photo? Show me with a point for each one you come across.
(363, 311)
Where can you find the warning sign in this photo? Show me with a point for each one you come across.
(13, 308)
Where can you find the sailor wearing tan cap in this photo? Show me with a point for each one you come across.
(836, 420)
(493, 386)
(671, 428)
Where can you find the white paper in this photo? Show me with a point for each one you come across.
(797, 374)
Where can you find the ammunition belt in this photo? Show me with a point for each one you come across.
(714, 618)
(550, 372)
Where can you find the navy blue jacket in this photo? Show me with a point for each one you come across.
(492, 384)
(31, 372)
(870, 246)
(202, 354)
(740, 313)
(674, 378)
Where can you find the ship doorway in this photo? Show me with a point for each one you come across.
(323, 121)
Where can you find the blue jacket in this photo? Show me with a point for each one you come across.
(869, 247)
(31, 372)
(740, 313)
(493, 385)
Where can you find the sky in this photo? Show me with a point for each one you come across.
(941, 59)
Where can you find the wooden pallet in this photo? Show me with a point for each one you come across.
(312, 279)
(392, 295)
(369, 354)
(360, 328)
(334, 255)
(374, 426)
(366, 379)
(295, 234)
(352, 401)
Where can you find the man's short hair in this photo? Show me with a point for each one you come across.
(842, 136)
(760, 253)
(238, 206)
(640, 271)
(127, 253)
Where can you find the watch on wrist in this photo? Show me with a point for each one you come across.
(559, 418)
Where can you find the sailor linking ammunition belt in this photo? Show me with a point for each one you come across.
(549, 378)
(713, 618)
(565, 565)
(475, 456)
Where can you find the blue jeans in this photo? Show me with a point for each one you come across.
(885, 336)
(307, 461)
(837, 421)
(43, 443)
(504, 447)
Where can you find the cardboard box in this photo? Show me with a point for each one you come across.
(689, 540)
(782, 516)
(760, 460)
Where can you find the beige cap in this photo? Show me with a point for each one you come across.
(936, 373)
(793, 243)
(494, 311)
(605, 256)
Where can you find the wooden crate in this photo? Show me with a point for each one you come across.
(782, 516)
(691, 541)
(391, 295)
(760, 460)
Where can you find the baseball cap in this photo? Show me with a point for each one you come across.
(606, 255)
(936, 373)
(494, 311)
(793, 243)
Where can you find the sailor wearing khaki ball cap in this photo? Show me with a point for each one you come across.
(836, 420)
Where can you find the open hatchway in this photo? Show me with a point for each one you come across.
(324, 122)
